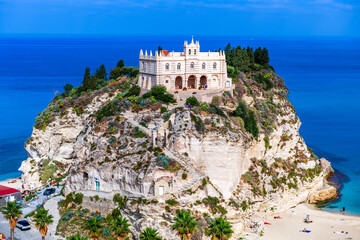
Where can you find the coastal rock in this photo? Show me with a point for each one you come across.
(195, 158)
(326, 166)
(324, 194)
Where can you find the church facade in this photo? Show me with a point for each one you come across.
(190, 69)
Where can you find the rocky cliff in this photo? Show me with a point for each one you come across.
(242, 150)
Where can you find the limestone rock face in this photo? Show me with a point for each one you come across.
(149, 155)
(326, 193)
(56, 143)
(225, 158)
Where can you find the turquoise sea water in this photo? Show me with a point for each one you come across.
(322, 74)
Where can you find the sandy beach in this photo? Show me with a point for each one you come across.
(10, 183)
(325, 225)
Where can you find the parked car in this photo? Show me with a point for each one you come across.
(23, 225)
(49, 191)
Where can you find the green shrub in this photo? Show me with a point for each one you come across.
(107, 111)
(78, 198)
(216, 110)
(46, 162)
(172, 202)
(154, 201)
(204, 106)
(167, 208)
(199, 124)
(241, 110)
(163, 109)
(159, 93)
(133, 91)
(204, 182)
(251, 124)
(47, 173)
(264, 80)
(244, 205)
(167, 116)
(137, 133)
(216, 100)
(184, 176)
(192, 101)
(115, 213)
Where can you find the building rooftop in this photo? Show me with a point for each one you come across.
(7, 190)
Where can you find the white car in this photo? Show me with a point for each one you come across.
(23, 225)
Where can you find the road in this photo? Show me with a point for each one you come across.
(33, 233)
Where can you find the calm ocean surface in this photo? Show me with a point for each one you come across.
(322, 74)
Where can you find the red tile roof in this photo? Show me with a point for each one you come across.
(6, 190)
(165, 52)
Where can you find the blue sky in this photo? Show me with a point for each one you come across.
(173, 17)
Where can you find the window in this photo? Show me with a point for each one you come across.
(192, 65)
(194, 51)
(189, 51)
(167, 66)
(144, 66)
(179, 66)
(167, 81)
(214, 65)
(203, 66)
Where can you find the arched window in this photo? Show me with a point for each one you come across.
(203, 66)
(194, 51)
(189, 51)
(179, 66)
(192, 65)
(167, 66)
(214, 65)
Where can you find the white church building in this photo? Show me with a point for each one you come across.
(190, 69)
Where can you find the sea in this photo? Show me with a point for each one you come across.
(322, 74)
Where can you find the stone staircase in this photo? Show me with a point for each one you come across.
(196, 175)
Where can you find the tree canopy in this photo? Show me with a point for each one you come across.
(121, 70)
(245, 59)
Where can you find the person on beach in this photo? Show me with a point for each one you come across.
(343, 210)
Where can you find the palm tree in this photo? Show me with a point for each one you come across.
(219, 229)
(77, 237)
(120, 226)
(12, 211)
(150, 234)
(42, 219)
(185, 224)
(93, 225)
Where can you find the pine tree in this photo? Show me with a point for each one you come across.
(87, 79)
(101, 72)
(120, 64)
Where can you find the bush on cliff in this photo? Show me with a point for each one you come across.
(249, 118)
(134, 91)
(47, 173)
(121, 70)
(159, 93)
(192, 101)
(107, 111)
